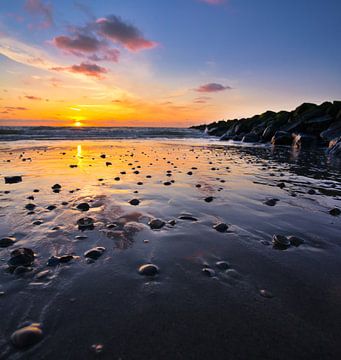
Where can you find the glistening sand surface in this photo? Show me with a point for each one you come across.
(180, 313)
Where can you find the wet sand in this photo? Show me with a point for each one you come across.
(267, 302)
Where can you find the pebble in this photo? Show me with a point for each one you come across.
(271, 202)
(6, 241)
(295, 241)
(209, 199)
(30, 207)
(94, 253)
(335, 212)
(83, 206)
(265, 293)
(51, 207)
(21, 257)
(208, 272)
(221, 227)
(188, 217)
(134, 202)
(156, 224)
(27, 336)
(86, 223)
(13, 179)
(222, 265)
(53, 261)
(280, 241)
(148, 270)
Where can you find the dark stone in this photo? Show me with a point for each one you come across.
(148, 270)
(156, 224)
(56, 187)
(86, 223)
(27, 336)
(280, 242)
(13, 179)
(53, 261)
(209, 199)
(51, 207)
(221, 227)
(295, 241)
(6, 242)
(304, 141)
(83, 207)
(271, 202)
(65, 258)
(281, 138)
(208, 272)
(250, 138)
(266, 294)
(335, 212)
(335, 147)
(187, 217)
(21, 257)
(30, 207)
(94, 253)
(333, 131)
(134, 202)
(222, 265)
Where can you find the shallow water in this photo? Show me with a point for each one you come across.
(180, 313)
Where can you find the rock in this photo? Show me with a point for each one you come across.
(222, 265)
(156, 224)
(21, 257)
(250, 138)
(65, 259)
(13, 179)
(6, 241)
(304, 141)
(295, 241)
(208, 272)
(86, 223)
(51, 207)
(209, 199)
(30, 207)
(134, 202)
(268, 133)
(188, 217)
(281, 138)
(148, 270)
(27, 336)
(265, 293)
(53, 261)
(221, 227)
(42, 274)
(94, 253)
(335, 147)
(333, 132)
(56, 187)
(335, 212)
(280, 242)
(83, 206)
(21, 270)
(271, 202)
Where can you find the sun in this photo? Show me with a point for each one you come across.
(77, 124)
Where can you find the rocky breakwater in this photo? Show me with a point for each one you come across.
(308, 125)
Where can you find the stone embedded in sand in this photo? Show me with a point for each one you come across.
(148, 270)
(65, 259)
(81, 237)
(156, 224)
(208, 272)
(103, 156)
(53, 261)
(21, 270)
(222, 265)
(265, 293)
(27, 336)
(108, 163)
(172, 222)
(281, 185)
(30, 207)
(51, 207)
(83, 207)
(6, 241)
(234, 274)
(73, 166)
(21, 257)
(167, 183)
(85, 223)
(335, 212)
(134, 202)
(271, 202)
(221, 227)
(117, 178)
(37, 222)
(13, 179)
(311, 192)
(42, 274)
(209, 199)
(295, 241)
(56, 187)
(94, 253)
(280, 241)
(188, 217)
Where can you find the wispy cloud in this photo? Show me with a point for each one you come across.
(212, 87)
(31, 97)
(40, 9)
(213, 2)
(87, 69)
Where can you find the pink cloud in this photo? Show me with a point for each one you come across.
(213, 2)
(31, 97)
(115, 29)
(87, 69)
(212, 87)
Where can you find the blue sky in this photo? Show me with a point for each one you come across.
(265, 54)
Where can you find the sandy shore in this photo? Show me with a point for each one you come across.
(264, 303)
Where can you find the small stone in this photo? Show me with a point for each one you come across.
(311, 192)
(208, 272)
(280, 242)
(233, 274)
(108, 163)
(21, 257)
(148, 270)
(94, 253)
(188, 217)
(6, 241)
(221, 227)
(295, 241)
(53, 261)
(51, 207)
(81, 237)
(42, 274)
(209, 199)
(97, 348)
(222, 265)
(37, 222)
(27, 336)
(265, 293)
(65, 258)
(281, 185)
(56, 187)
(134, 202)
(83, 207)
(271, 202)
(167, 183)
(156, 224)
(86, 223)
(172, 222)
(30, 207)
(335, 212)
(21, 270)
(13, 179)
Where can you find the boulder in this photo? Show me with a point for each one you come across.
(268, 133)
(281, 138)
(333, 131)
(335, 147)
(250, 138)
(304, 140)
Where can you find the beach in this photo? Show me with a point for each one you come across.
(210, 216)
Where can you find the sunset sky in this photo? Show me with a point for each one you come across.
(164, 62)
